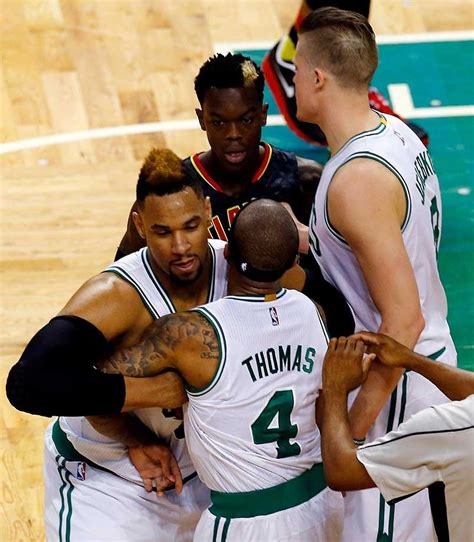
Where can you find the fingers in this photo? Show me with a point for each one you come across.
(366, 363)
(148, 484)
(367, 337)
(171, 474)
(350, 345)
(176, 472)
(165, 465)
(162, 483)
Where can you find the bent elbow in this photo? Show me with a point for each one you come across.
(14, 387)
(419, 324)
(21, 390)
(335, 482)
(415, 325)
(335, 473)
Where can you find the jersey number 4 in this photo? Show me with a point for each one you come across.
(280, 404)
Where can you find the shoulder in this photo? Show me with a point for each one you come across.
(281, 154)
(182, 330)
(104, 285)
(309, 171)
(364, 180)
(217, 244)
(280, 158)
(189, 166)
(109, 303)
(305, 165)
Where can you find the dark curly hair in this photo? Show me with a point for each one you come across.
(228, 71)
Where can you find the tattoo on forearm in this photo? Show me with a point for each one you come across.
(157, 349)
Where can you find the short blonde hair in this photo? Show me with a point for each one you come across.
(343, 42)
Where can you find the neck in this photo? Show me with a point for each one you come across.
(240, 285)
(347, 115)
(233, 182)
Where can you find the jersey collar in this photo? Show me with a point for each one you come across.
(197, 164)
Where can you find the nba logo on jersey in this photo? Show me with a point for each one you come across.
(274, 316)
(81, 471)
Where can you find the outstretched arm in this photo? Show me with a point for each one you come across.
(344, 369)
(455, 383)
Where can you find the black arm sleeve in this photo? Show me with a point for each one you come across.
(56, 376)
(339, 317)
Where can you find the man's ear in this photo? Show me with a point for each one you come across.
(208, 208)
(137, 220)
(319, 78)
(227, 252)
(200, 117)
(264, 114)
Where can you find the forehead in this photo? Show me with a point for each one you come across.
(301, 48)
(226, 100)
(173, 209)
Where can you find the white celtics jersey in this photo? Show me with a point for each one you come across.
(395, 146)
(136, 270)
(253, 426)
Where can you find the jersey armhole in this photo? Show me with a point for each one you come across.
(370, 156)
(191, 390)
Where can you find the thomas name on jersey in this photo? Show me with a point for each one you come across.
(280, 359)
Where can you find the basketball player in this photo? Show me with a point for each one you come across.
(239, 167)
(375, 231)
(92, 489)
(432, 449)
(251, 357)
(279, 69)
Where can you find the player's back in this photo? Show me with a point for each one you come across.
(253, 426)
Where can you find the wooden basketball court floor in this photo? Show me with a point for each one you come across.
(78, 67)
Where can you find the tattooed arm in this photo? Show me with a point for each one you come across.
(182, 341)
(185, 342)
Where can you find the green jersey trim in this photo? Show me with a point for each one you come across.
(65, 477)
(390, 167)
(196, 392)
(437, 354)
(270, 500)
(258, 298)
(127, 278)
(212, 285)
